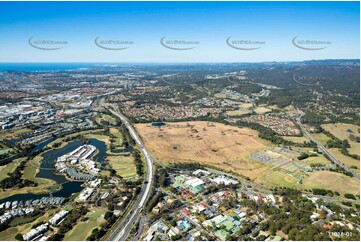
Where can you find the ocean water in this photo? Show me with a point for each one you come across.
(33, 67)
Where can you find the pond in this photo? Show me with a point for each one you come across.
(158, 124)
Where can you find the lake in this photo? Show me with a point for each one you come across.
(47, 171)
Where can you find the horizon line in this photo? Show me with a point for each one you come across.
(164, 62)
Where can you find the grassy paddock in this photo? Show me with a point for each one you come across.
(340, 131)
(123, 165)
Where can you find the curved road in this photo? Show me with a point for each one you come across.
(125, 227)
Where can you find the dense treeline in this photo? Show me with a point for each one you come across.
(154, 201)
(270, 135)
(138, 162)
(127, 138)
(293, 217)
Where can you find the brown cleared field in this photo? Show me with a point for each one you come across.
(216, 144)
(262, 109)
(332, 181)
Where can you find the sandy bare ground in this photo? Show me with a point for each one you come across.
(224, 146)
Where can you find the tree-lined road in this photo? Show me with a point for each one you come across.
(125, 227)
(321, 147)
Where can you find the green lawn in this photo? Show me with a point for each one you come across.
(320, 137)
(4, 170)
(123, 165)
(83, 229)
(346, 160)
(95, 215)
(118, 139)
(277, 179)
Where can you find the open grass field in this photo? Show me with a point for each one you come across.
(296, 139)
(332, 181)
(262, 109)
(36, 190)
(340, 131)
(83, 229)
(243, 108)
(320, 137)
(277, 179)
(348, 161)
(220, 95)
(105, 117)
(245, 105)
(215, 144)
(317, 159)
(317, 179)
(118, 134)
(4, 170)
(8, 135)
(123, 165)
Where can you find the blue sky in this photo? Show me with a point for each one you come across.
(209, 23)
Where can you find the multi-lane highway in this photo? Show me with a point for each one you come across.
(321, 147)
(122, 231)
